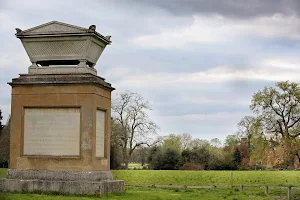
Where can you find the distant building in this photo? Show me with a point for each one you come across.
(243, 148)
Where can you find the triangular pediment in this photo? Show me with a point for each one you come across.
(54, 27)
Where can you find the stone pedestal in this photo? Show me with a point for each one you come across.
(54, 122)
(77, 106)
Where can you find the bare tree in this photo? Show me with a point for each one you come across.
(216, 142)
(195, 143)
(249, 127)
(130, 111)
(185, 140)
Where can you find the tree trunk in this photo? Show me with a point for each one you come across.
(143, 161)
(288, 154)
(126, 164)
(298, 156)
(125, 157)
(291, 165)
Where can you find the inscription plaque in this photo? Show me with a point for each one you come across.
(100, 132)
(52, 132)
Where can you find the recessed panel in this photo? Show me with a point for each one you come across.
(100, 133)
(52, 132)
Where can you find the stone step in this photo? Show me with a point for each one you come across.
(55, 175)
(62, 187)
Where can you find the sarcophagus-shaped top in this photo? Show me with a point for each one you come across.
(57, 47)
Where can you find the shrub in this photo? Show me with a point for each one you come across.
(192, 166)
(170, 159)
(145, 167)
(165, 160)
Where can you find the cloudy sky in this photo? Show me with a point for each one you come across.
(198, 62)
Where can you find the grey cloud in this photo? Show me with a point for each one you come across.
(234, 8)
(202, 128)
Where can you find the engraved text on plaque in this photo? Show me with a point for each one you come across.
(52, 132)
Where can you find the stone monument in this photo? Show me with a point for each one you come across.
(60, 114)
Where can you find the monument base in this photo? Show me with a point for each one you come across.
(57, 175)
(62, 187)
(62, 182)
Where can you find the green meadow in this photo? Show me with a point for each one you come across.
(136, 166)
(206, 178)
(151, 194)
(221, 178)
(2, 173)
(150, 177)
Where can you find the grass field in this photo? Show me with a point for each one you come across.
(159, 177)
(152, 194)
(136, 166)
(2, 173)
(149, 177)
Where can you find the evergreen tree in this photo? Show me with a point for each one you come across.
(5, 144)
(237, 158)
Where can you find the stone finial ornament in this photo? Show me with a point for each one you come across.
(92, 28)
(18, 31)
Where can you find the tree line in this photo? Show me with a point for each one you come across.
(182, 152)
(267, 139)
(131, 141)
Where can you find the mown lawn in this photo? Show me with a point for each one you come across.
(3, 172)
(152, 194)
(136, 166)
(160, 177)
(219, 178)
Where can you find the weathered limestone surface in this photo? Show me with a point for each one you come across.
(56, 43)
(63, 187)
(59, 79)
(84, 91)
(59, 175)
(62, 70)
